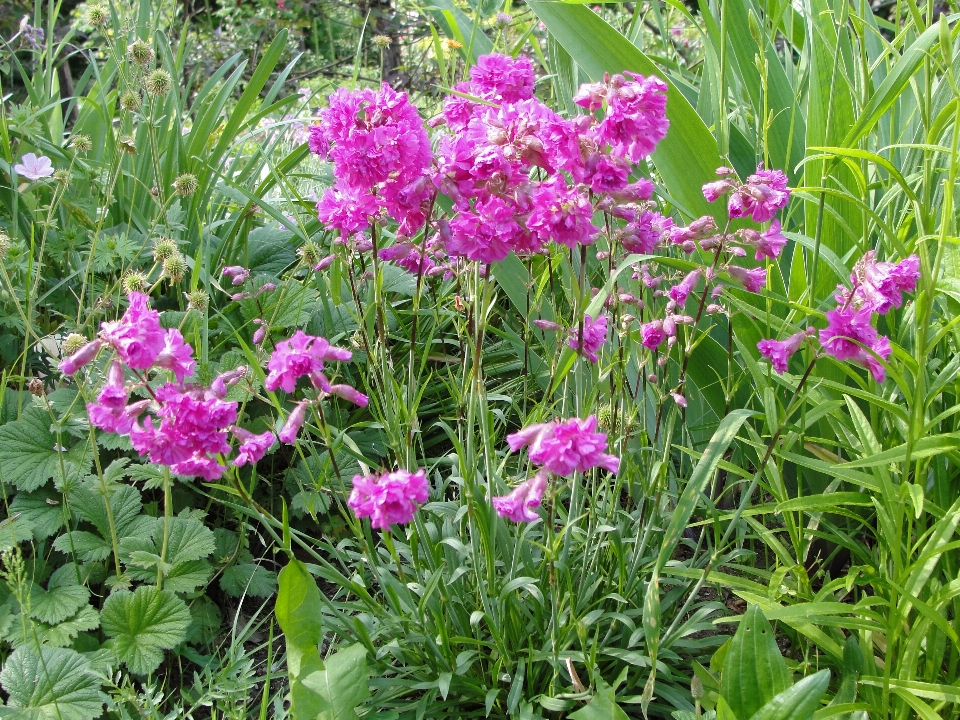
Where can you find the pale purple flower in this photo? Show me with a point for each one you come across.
(33, 167)
(718, 188)
(520, 504)
(237, 274)
(388, 499)
(753, 280)
(547, 325)
(81, 357)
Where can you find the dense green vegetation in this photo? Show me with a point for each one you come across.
(480, 414)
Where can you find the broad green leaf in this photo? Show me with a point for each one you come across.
(187, 576)
(28, 450)
(342, 683)
(754, 672)
(299, 612)
(603, 706)
(189, 540)
(14, 530)
(143, 624)
(798, 702)
(54, 683)
(63, 634)
(687, 157)
(42, 509)
(88, 502)
(57, 604)
(88, 547)
(248, 578)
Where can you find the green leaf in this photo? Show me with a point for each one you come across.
(187, 576)
(14, 530)
(88, 547)
(189, 540)
(64, 633)
(754, 672)
(55, 683)
(57, 604)
(41, 509)
(798, 702)
(28, 450)
(248, 578)
(298, 606)
(603, 706)
(342, 683)
(687, 157)
(924, 447)
(143, 624)
(88, 502)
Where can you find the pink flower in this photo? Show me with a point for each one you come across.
(33, 167)
(563, 214)
(288, 433)
(108, 419)
(652, 334)
(761, 196)
(520, 504)
(176, 355)
(572, 446)
(347, 209)
(753, 280)
(680, 291)
(486, 236)
(880, 285)
(531, 435)
(252, 446)
(350, 394)
(81, 357)
(388, 499)
(846, 328)
(779, 352)
(317, 142)
(718, 188)
(636, 117)
(594, 336)
(301, 355)
(645, 235)
(608, 174)
(503, 78)
(222, 382)
(697, 230)
(137, 336)
(237, 274)
(769, 243)
(114, 394)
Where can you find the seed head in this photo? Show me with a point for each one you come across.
(98, 15)
(130, 100)
(382, 41)
(140, 52)
(62, 175)
(158, 82)
(4, 244)
(696, 688)
(73, 342)
(164, 248)
(81, 143)
(175, 267)
(134, 282)
(186, 185)
(605, 417)
(310, 253)
(35, 386)
(197, 300)
(128, 143)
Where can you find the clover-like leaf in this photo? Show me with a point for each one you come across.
(143, 624)
(51, 683)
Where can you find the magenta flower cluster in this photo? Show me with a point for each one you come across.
(876, 287)
(388, 499)
(559, 448)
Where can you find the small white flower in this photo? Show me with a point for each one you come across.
(33, 167)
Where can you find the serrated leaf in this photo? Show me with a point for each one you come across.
(143, 624)
(42, 509)
(248, 578)
(189, 540)
(64, 633)
(88, 547)
(54, 682)
(57, 604)
(206, 620)
(13, 530)
(187, 577)
(28, 450)
(88, 502)
(150, 475)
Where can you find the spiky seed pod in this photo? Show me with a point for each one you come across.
(62, 175)
(186, 185)
(197, 300)
(81, 143)
(130, 100)
(134, 282)
(73, 342)
(164, 248)
(140, 52)
(310, 253)
(175, 267)
(98, 15)
(605, 416)
(158, 82)
(382, 41)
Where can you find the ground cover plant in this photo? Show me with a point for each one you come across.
(603, 364)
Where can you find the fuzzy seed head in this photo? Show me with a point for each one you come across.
(140, 52)
(186, 185)
(197, 300)
(175, 267)
(605, 416)
(62, 175)
(382, 41)
(310, 253)
(134, 282)
(4, 244)
(158, 82)
(164, 248)
(73, 342)
(98, 15)
(81, 143)
(130, 100)
(35, 386)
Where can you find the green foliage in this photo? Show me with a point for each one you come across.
(143, 624)
(52, 683)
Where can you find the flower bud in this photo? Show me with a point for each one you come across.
(81, 357)
(259, 335)
(350, 394)
(288, 433)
